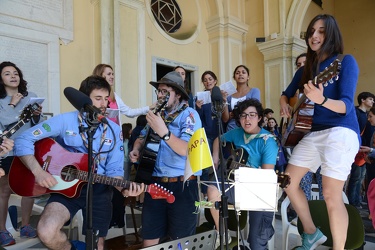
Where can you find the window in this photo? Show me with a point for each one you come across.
(167, 13)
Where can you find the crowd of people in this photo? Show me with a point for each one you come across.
(337, 129)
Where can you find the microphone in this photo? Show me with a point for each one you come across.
(217, 100)
(82, 102)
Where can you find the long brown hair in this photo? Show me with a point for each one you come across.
(333, 44)
(98, 71)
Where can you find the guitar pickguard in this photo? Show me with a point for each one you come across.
(62, 185)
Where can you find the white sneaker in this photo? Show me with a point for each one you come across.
(217, 243)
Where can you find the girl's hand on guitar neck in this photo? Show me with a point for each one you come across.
(313, 93)
(285, 109)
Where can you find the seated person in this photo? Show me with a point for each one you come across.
(262, 148)
(66, 130)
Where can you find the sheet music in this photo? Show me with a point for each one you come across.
(255, 189)
(228, 87)
(205, 96)
(38, 100)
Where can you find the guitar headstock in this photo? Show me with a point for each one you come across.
(158, 192)
(329, 73)
(162, 101)
(283, 179)
(28, 111)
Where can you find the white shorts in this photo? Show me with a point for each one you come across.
(333, 149)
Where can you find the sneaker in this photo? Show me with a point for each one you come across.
(217, 243)
(311, 241)
(27, 232)
(6, 238)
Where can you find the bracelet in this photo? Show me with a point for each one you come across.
(11, 104)
(325, 99)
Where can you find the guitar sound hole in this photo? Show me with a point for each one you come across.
(69, 173)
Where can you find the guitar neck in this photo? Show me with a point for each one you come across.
(14, 129)
(102, 179)
(11, 131)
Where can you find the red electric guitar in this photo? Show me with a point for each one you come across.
(70, 171)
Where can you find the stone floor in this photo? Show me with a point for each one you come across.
(294, 240)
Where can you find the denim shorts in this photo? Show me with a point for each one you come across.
(101, 209)
(176, 220)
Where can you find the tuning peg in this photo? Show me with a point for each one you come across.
(325, 84)
(337, 77)
(330, 81)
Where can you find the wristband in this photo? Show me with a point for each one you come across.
(325, 99)
(11, 104)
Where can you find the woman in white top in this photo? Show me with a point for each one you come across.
(241, 75)
(115, 101)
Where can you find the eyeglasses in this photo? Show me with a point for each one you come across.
(162, 91)
(250, 114)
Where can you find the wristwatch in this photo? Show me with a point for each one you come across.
(167, 136)
(371, 149)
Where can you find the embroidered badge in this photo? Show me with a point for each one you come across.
(37, 132)
(46, 127)
(70, 132)
(107, 141)
(190, 122)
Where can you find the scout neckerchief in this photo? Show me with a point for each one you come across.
(248, 137)
(168, 118)
(84, 139)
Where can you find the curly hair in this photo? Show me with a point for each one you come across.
(22, 87)
(242, 106)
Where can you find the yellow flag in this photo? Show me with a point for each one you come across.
(198, 155)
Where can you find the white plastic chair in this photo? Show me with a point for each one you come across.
(21, 243)
(287, 227)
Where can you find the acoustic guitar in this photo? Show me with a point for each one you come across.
(147, 159)
(296, 127)
(24, 118)
(70, 171)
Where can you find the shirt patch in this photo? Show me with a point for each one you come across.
(107, 141)
(70, 132)
(46, 127)
(190, 122)
(37, 132)
(191, 116)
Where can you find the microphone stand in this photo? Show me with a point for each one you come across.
(91, 236)
(222, 206)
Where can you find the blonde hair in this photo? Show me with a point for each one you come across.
(98, 71)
